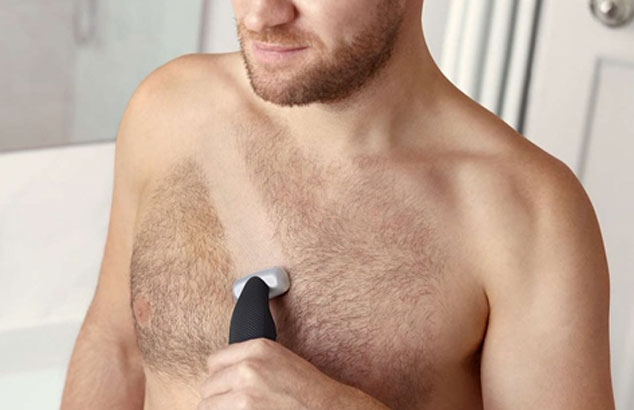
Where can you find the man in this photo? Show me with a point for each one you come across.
(438, 259)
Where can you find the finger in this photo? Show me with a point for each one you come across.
(243, 375)
(237, 352)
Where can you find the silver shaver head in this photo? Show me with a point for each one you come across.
(276, 278)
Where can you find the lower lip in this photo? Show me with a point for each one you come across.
(277, 56)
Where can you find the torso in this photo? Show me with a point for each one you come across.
(384, 295)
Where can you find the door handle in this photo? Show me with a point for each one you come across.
(613, 13)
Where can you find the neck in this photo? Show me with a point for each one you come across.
(388, 113)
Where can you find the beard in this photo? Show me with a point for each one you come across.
(331, 77)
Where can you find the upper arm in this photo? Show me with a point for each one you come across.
(110, 311)
(547, 341)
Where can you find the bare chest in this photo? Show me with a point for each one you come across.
(369, 274)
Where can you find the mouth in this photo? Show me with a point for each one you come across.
(276, 47)
(276, 53)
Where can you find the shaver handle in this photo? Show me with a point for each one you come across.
(252, 317)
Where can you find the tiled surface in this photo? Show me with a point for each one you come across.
(54, 213)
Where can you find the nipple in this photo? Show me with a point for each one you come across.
(141, 309)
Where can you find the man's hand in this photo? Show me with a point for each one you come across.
(263, 374)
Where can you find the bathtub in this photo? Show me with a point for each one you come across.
(33, 364)
(54, 213)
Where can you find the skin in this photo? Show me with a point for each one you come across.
(363, 144)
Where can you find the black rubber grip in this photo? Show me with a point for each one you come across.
(252, 317)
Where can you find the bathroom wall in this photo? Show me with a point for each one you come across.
(132, 38)
(36, 72)
(68, 68)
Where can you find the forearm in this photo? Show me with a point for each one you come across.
(103, 374)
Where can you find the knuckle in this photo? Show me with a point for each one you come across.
(261, 344)
(247, 372)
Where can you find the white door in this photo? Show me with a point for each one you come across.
(581, 110)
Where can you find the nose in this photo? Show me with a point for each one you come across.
(261, 14)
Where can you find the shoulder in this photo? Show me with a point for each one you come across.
(174, 91)
(526, 209)
(177, 108)
(186, 79)
(544, 272)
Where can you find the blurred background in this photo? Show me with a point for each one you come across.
(560, 72)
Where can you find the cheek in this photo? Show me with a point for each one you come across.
(332, 22)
